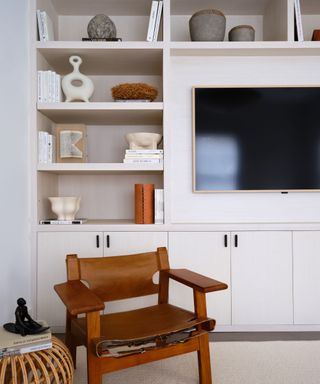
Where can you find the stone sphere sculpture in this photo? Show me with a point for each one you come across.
(101, 26)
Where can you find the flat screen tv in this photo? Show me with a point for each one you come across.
(256, 139)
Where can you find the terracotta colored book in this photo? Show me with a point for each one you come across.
(144, 203)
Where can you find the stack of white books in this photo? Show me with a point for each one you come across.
(45, 26)
(154, 156)
(15, 344)
(158, 206)
(46, 148)
(154, 20)
(49, 87)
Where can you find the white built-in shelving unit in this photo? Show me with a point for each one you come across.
(106, 185)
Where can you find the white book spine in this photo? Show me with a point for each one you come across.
(58, 88)
(49, 87)
(158, 19)
(50, 149)
(40, 25)
(45, 86)
(152, 20)
(145, 161)
(39, 98)
(43, 16)
(41, 147)
(298, 20)
(53, 86)
(144, 151)
(158, 206)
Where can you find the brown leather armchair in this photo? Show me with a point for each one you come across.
(125, 339)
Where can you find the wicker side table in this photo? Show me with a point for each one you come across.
(42, 367)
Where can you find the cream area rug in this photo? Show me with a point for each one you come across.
(236, 362)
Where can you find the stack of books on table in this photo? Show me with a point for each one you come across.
(144, 156)
(14, 344)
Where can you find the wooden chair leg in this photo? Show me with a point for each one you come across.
(69, 340)
(204, 360)
(93, 362)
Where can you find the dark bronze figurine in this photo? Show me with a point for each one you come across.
(24, 324)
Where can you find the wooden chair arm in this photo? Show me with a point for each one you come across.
(195, 280)
(78, 298)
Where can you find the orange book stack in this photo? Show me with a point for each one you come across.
(144, 203)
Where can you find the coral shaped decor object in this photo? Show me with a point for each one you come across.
(101, 26)
(77, 92)
(134, 91)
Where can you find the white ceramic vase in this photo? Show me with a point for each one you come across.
(65, 207)
(73, 92)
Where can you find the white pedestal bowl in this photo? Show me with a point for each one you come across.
(65, 207)
(143, 140)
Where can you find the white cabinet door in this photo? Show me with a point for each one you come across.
(52, 250)
(208, 254)
(261, 265)
(123, 243)
(306, 272)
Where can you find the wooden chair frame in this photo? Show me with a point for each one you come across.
(79, 299)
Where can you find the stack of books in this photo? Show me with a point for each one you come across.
(14, 344)
(45, 26)
(154, 20)
(154, 156)
(46, 148)
(49, 87)
(149, 204)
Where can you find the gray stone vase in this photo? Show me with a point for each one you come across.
(207, 25)
(242, 33)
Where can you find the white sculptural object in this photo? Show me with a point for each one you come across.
(73, 92)
(65, 207)
(143, 140)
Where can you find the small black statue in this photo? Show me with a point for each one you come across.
(24, 324)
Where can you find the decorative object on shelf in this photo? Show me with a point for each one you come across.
(143, 140)
(65, 207)
(101, 39)
(71, 143)
(52, 365)
(24, 324)
(207, 25)
(134, 91)
(81, 92)
(316, 35)
(144, 203)
(242, 33)
(101, 26)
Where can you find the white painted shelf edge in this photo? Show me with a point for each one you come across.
(99, 45)
(101, 106)
(105, 168)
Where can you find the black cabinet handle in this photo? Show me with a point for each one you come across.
(108, 241)
(225, 241)
(236, 241)
(98, 241)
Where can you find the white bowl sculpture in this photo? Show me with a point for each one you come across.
(143, 140)
(65, 207)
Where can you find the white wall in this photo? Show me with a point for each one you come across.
(15, 269)
(188, 207)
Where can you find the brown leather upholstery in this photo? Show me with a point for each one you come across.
(120, 277)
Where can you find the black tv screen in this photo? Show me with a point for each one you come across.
(256, 139)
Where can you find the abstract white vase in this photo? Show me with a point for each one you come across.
(81, 92)
(143, 140)
(65, 207)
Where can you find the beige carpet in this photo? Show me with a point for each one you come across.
(236, 362)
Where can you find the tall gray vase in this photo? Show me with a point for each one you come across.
(207, 25)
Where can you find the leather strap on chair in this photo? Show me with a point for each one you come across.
(121, 348)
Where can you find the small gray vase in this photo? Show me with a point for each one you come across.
(207, 25)
(101, 26)
(242, 33)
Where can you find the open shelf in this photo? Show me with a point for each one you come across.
(101, 168)
(253, 48)
(126, 113)
(103, 58)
